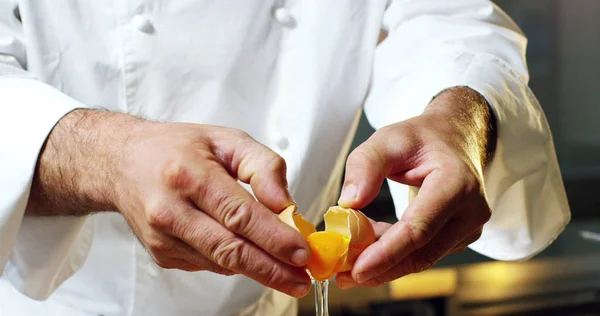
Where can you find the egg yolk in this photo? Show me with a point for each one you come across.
(327, 249)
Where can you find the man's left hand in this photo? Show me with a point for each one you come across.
(443, 152)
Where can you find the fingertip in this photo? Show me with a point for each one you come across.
(300, 257)
(273, 194)
(290, 246)
(355, 196)
(348, 196)
(358, 194)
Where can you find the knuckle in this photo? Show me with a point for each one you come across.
(189, 181)
(230, 253)
(158, 246)
(277, 163)
(274, 275)
(176, 175)
(365, 153)
(171, 173)
(367, 157)
(160, 218)
(237, 215)
(422, 232)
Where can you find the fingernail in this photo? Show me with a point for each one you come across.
(364, 276)
(299, 289)
(299, 257)
(349, 193)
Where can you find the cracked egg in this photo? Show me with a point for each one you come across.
(347, 233)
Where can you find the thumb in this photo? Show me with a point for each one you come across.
(365, 172)
(388, 153)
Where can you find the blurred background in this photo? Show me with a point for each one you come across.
(563, 53)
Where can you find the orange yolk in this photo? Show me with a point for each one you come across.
(327, 250)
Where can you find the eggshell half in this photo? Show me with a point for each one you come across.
(354, 224)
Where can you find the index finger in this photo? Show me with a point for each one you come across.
(234, 253)
(220, 196)
(254, 163)
(422, 220)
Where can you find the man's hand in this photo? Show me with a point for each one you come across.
(443, 152)
(176, 185)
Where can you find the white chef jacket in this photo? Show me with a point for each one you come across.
(295, 75)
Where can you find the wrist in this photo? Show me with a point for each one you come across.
(471, 117)
(78, 166)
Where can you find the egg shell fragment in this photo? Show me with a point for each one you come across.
(297, 221)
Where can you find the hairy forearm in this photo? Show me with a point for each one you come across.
(470, 112)
(78, 165)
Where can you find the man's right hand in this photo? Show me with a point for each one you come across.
(176, 185)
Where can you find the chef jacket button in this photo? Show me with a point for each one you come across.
(283, 143)
(142, 23)
(283, 16)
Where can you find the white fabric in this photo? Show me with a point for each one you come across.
(294, 75)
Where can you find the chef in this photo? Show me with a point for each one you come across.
(148, 145)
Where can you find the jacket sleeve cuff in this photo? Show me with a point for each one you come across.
(522, 182)
(36, 253)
